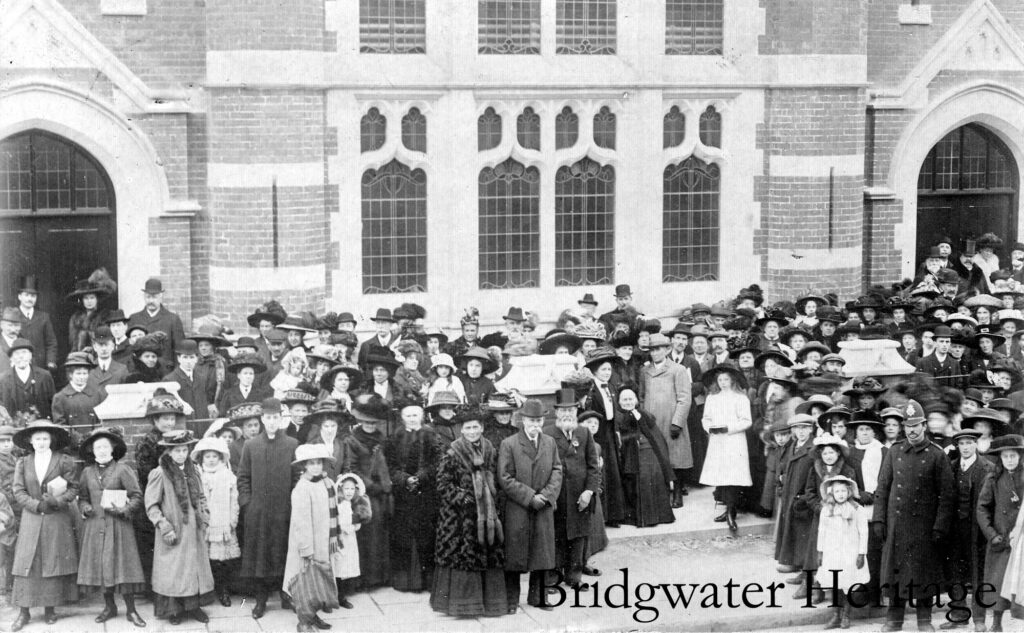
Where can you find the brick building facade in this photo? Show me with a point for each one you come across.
(344, 155)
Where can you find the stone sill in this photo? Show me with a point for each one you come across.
(123, 7)
(915, 14)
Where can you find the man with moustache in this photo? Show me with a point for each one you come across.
(155, 317)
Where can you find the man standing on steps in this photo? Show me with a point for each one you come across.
(155, 317)
(36, 327)
(665, 391)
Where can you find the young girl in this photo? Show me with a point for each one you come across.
(442, 373)
(175, 504)
(110, 557)
(219, 485)
(353, 511)
(293, 371)
(842, 542)
(998, 506)
(314, 536)
(726, 420)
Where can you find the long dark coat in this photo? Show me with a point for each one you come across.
(646, 471)
(997, 512)
(50, 535)
(613, 501)
(914, 498)
(965, 558)
(233, 396)
(524, 471)
(200, 391)
(413, 454)
(457, 544)
(110, 556)
(579, 472)
(164, 321)
(17, 396)
(364, 456)
(75, 408)
(265, 480)
(114, 375)
(39, 331)
(794, 527)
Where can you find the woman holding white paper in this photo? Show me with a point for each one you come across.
(109, 495)
(45, 558)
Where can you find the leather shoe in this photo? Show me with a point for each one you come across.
(258, 610)
(135, 618)
(320, 624)
(591, 571)
(795, 580)
(345, 604)
(200, 616)
(175, 619)
(945, 626)
(50, 618)
(286, 603)
(721, 517)
(105, 615)
(224, 598)
(20, 622)
(787, 569)
(683, 491)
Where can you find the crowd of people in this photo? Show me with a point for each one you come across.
(415, 465)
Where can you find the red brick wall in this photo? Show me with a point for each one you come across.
(821, 27)
(169, 135)
(266, 126)
(265, 25)
(172, 236)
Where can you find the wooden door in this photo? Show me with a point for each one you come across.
(962, 217)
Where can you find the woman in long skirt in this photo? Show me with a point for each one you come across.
(46, 557)
(176, 505)
(110, 557)
(647, 476)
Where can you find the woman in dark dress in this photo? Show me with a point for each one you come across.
(602, 362)
(498, 418)
(470, 556)
(364, 456)
(476, 364)
(647, 474)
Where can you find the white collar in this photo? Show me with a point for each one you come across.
(967, 463)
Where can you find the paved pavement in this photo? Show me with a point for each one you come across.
(693, 550)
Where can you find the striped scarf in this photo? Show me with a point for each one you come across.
(332, 506)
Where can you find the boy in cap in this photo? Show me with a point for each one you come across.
(264, 499)
(157, 318)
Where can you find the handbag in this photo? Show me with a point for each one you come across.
(313, 589)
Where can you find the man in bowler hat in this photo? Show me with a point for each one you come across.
(530, 473)
(380, 343)
(36, 326)
(155, 317)
(10, 329)
(624, 314)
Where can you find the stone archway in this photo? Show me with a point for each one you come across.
(999, 108)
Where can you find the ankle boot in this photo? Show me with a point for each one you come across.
(997, 621)
(730, 520)
(817, 595)
(837, 618)
(844, 622)
(677, 497)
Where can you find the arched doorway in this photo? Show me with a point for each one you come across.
(967, 186)
(56, 221)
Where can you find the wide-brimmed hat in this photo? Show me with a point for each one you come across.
(327, 408)
(800, 419)
(443, 399)
(247, 360)
(370, 407)
(984, 414)
(212, 333)
(6, 430)
(601, 355)
(325, 353)
(827, 439)
(828, 481)
(1004, 404)
(480, 354)
(306, 452)
(355, 376)
(815, 400)
(956, 317)
(163, 402)
(975, 341)
(271, 311)
(802, 301)
(442, 360)
(180, 437)
(868, 417)
(304, 322)
(787, 335)
(1011, 442)
(710, 377)
(1012, 316)
(533, 408)
(20, 343)
(299, 395)
(380, 360)
(775, 315)
(557, 338)
(499, 402)
(987, 301)
(591, 332)
(775, 355)
(220, 425)
(245, 411)
(114, 436)
(782, 375)
(435, 332)
(813, 346)
(825, 419)
(79, 359)
(59, 435)
(212, 443)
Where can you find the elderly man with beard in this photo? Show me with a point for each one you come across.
(581, 480)
(915, 502)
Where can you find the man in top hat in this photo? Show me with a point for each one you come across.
(155, 317)
(581, 481)
(940, 364)
(36, 326)
(107, 370)
(10, 328)
(914, 506)
(665, 390)
(530, 473)
(197, 384)
(25, 388)
(265, 480)
(380, 344)
(624, 314)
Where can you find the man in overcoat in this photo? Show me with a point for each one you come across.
(965, 556)
(156, 317)
(915, 503)
(940, 364)
(265, 480)
(25, 387)
(36, 326)
(665, 393)
(107, 370)
(530, 473)
(379, 345)
(794, 528)
(197, 385)
(581, 481)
